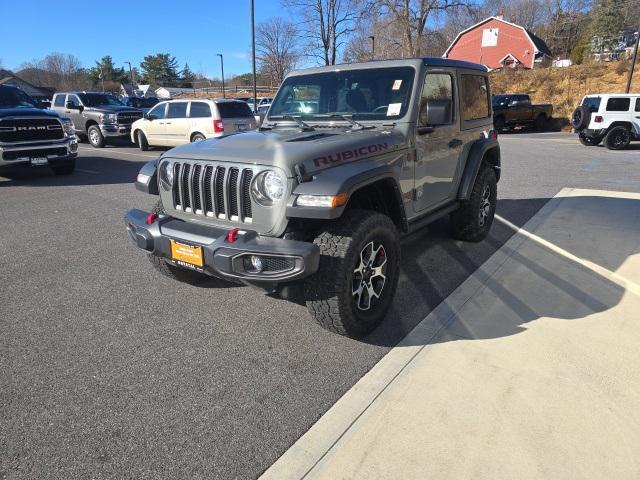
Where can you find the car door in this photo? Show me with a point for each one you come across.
(200, 119)
(438, 146)
(176, 124)
(154, 128)
(75, 112)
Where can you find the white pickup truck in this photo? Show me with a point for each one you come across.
(612, 118)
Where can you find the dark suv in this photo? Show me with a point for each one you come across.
(33, 136)
(96, 116)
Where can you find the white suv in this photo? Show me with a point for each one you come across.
(176, 122)
(612, 118)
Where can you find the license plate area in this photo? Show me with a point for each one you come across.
(39, 161)
(189, 254)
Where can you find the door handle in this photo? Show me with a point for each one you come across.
(455, 143)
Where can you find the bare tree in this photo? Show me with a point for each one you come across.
(325, 26)
(58, 70)
(276, 48)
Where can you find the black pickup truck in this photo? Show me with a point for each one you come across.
(33, 136)
(514, 110)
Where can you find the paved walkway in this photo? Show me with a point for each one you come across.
(530, 369)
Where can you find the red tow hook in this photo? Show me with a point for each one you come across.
(151, 218)
(232, 236)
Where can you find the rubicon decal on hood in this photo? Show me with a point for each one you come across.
(350, 154)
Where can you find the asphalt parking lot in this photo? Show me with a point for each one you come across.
(112, 371)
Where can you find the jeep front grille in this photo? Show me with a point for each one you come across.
(213, 191)
(14, 130)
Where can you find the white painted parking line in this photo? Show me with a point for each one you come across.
(92, 172)
(120, 151)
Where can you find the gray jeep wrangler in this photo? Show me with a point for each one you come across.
(348, 159)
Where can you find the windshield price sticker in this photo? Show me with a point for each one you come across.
(396, 85)
(394, 109)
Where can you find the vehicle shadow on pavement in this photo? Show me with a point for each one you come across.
(433, 266)
(94, 170)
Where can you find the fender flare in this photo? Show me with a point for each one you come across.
(347, 178)
(150, 186)
(477, 153)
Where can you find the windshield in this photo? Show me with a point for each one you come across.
(16, 98)
(98, 99)
(367, 94)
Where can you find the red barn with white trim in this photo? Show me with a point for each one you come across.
(497, 43)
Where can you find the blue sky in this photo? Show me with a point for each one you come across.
(192, 31)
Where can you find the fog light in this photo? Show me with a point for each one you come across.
(256, 263)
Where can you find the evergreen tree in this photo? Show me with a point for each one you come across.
(108, 71)
(608, 19)
(160, 70)
(188, 77)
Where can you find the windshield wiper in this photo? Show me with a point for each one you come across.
(305, 127)
(347, 118)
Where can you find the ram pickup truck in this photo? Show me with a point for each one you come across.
(33, 136)
(516, 110)
(348, 159)
(96, 116)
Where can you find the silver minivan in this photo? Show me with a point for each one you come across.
(176, 122)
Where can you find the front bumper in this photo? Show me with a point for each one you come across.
(115, 129)
(222, 258)
(54, 151)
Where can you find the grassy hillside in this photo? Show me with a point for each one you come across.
(565, 87)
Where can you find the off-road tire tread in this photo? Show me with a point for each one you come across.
(323, 288)
(609, 137)
(463, 220)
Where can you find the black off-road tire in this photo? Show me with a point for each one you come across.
(581, 117)
(329, 293)
(618, 138)
(64, 168)
(499, 123)
(541, 123)
(466, 222)
(96, 139)
(143, 144)
(589, 141)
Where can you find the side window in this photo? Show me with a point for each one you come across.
(436, 104)
(177, 110)
(200, 110)
(474, 97)
(637, 104)
(59, 101)
(74, 100)
(158, 111)
(618, 104)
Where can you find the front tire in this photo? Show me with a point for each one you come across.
(96, 139)
(618, 138)
(472, 221)
(142, 141)
(358, 274)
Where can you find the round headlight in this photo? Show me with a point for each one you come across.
(273, 186)
(166, 175)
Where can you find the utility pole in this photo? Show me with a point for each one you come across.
(222, 68)
(102, 79)
(131, 75)
(373, 47)
(253, 59)
(633, 62)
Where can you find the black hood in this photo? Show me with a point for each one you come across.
(27, 112)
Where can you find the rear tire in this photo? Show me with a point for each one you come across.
(589, 141)
(197, 137)
(142, 141)
(354, 286)
(618, 138)
(96, 139)
(472, 221)
(64, 168)
(541, 123)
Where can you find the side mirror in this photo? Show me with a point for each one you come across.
(149, 116)
(436, 112)
(71, 106)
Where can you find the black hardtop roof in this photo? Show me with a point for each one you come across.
(396, 62)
